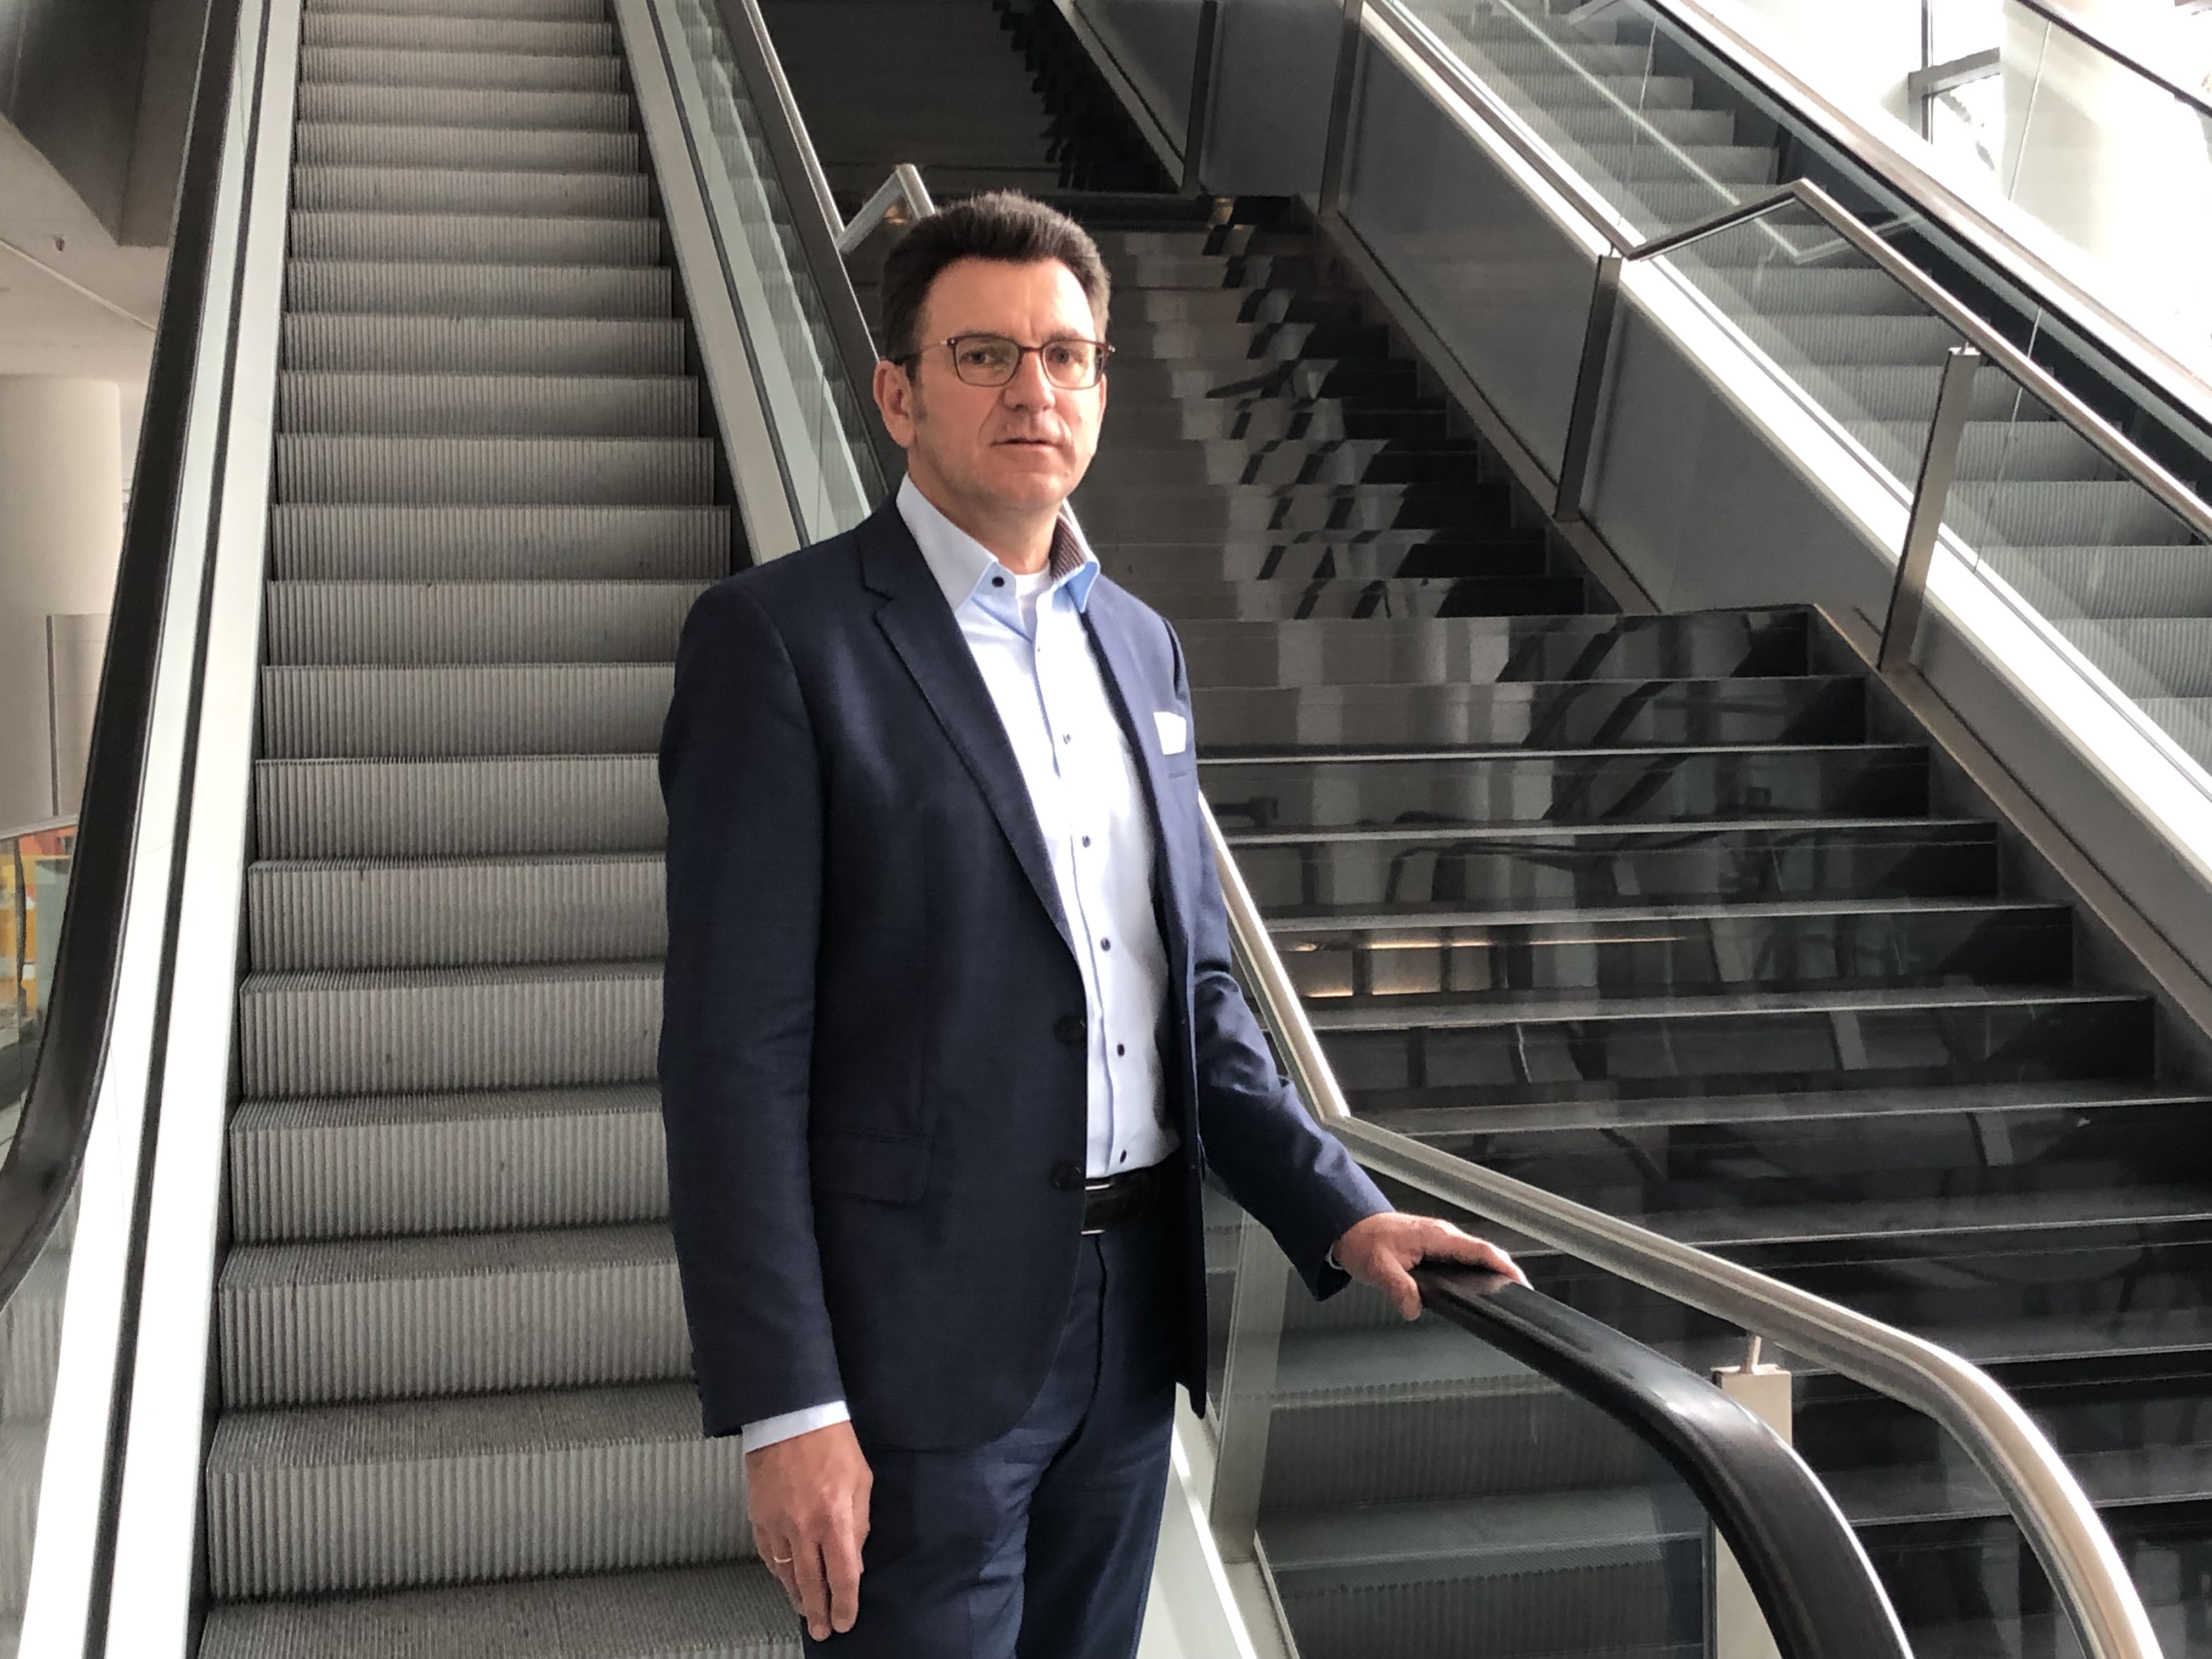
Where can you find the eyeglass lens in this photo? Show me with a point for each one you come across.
(992, 360)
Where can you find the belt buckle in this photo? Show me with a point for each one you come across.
(1105, 1184)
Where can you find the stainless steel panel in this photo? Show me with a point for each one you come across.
(1272, 67)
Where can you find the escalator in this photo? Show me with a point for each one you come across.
(1684, 916)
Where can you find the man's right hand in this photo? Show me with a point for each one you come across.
(808, 1499)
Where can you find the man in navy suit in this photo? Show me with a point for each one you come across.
(950, 1029)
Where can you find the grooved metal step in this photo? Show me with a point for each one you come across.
(469, 71)
(391, 1165)
(445, 33)
(486, 345)
(325, 914)
(394, 624)
(457, 106)
(490, 405)
(484, 544)
(587, 10)
(504, 1027)
(369, 808)
(474, 239)
(488, 149)
(731, 1610)
(523, 708)
(356, 287)
(323, 1500)
(481, 1314)
(606, 472)
(452, 190)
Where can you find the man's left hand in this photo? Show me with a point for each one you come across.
(1383, 1249)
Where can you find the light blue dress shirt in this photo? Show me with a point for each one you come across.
(1027, 636)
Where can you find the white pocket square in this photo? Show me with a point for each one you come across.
(1175, 732)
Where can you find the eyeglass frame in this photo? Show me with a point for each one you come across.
(1104, 350)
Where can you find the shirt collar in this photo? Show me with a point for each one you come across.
(962, 564)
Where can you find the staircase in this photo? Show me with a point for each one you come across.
(456, 1412)
(1672, 915)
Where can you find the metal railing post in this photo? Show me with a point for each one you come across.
(1201, 94)
(1589, 382)
(1340, 105)
(1737, 1628)
(1248, 1391)
(1939, 465)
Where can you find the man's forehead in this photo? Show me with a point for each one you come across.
(974, 294)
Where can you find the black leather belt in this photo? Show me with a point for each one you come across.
(1120, 1198)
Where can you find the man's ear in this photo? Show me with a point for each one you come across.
(894, 401)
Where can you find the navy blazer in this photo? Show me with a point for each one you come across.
(872, 1066)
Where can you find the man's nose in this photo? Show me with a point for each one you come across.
(1029, 389)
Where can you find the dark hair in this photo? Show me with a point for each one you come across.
(1002, 224)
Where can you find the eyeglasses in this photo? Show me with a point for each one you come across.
(994, 359)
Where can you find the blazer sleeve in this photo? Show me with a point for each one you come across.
(1292, 1175)
(740, 775)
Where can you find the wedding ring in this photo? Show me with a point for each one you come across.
(780, 1560)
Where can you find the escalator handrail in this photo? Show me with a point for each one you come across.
(1482, 103)
(1793, 1543)
(813, 209)
(43, 1162)
(2118, 53)
(2031, 1478)
(1957, 215)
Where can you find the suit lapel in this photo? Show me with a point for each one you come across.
(1128, 688)
(920, 627)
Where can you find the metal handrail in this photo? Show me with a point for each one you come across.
(903, 191)
(1483, 103)
(2117, 53)
(2131, 349)
(2048, 1503)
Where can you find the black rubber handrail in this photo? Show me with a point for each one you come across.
(42, 1165)
(1804, 1564)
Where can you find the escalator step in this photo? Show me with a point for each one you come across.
(472, 239)
(490, 405)
(479, 543)
(506, 109)
(481, 1314)
(454, 190)
(542, 908)
(728, 1611)
(483, 149)
(395, 624)
(531, 11)
(471, 71)
(322, 1500)
(378, 31)
(420, 713)
(393, 1165)
(601, 471)
(503, 1028)
(486, 345)
(446, 288)
(558, 803)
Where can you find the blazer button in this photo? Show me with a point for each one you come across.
(1069, 1028)
(1066, 1178)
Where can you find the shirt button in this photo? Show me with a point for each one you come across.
(1087, 840)
(1069, 1028)
(1067, 737)
(1119, 1049)
(1066, 1177)
(1105, 944)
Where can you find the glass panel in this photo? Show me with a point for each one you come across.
(1845, 330)
(1155, 43)
(2117, 165)
(1618, 98)
(1481, 262)
(34, 870)
(30, 1346)
(817, 419)
(2117, 573)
